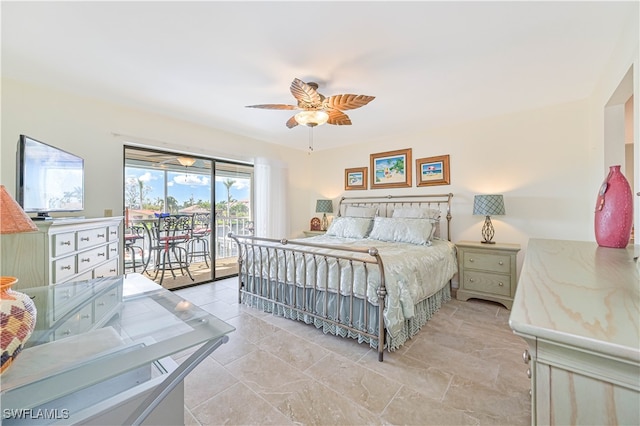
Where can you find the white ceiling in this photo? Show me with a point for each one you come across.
(428, 63)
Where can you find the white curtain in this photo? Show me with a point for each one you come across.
(271, 210)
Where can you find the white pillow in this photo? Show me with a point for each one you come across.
(355, 211)
(416, 212)
(402, 230)
(350, 227)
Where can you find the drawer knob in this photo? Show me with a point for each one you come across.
(100, 303)
(100, 235)
(528, 372)
(85, 260)
(526, 357)
(65, 267)
(65, 243)
(112, 270)
(84, 239)
(501, 263)
(66, 332)
(500, 283)
(471, 260)
(85, 316)
(101, 254)
(470, 280)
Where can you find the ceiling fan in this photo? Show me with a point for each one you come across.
(315, 108)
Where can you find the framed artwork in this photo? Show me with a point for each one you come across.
(432, 171)
(391, 169)
(355, 178)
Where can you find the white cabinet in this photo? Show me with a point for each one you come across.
(63, 250)
(577, 306)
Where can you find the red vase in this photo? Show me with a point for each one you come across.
(614, 210)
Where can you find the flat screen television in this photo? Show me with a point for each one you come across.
(48, 179)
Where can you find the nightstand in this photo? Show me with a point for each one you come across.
(313, 233)
(487, 271)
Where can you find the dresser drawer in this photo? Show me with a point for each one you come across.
(487, 262)
(78, 323)
(64, 243)
(63, 269)
(106, 302)
(113, 250)
(90, 258)
(113, 233)
(92, 237)
(109, 269)
(487, 282)
(85, 276)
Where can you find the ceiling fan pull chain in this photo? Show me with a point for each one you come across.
(310, 140)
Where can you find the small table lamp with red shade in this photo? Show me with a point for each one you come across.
(17, 310)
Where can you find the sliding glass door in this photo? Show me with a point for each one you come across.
(233, 213)
(216, 195)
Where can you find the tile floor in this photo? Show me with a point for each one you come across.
(464, 367)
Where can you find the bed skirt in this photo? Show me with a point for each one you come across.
(351, 317)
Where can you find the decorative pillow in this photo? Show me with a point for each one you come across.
(416, 212)
(402, 230)
(355, 211)
(350, 227)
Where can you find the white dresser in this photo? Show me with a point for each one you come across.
(577, 306)
(63, 250)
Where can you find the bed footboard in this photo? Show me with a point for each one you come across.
(339, 289)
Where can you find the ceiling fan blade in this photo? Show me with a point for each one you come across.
(338, 118)
(348, 101)
(291, 123)
(307, 96)
(273, 106)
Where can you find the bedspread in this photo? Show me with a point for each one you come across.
(412, 272)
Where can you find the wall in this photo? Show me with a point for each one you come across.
(85, 127)
(623, 70)
(538, 160)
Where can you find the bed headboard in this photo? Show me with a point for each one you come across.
(386, 204)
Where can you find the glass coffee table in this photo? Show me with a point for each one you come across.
(105, 344)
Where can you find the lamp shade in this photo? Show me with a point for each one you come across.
(12, 218)
(324, 206)
(488, 205)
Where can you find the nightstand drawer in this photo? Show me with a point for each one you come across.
(487, 283)
(487, 262)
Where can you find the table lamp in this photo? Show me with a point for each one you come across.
(17, 310)
(324, 207)
(488, 205)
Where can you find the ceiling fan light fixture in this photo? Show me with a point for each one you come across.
(186, 161)
(312, 118)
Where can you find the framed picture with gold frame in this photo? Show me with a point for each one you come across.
(355, 178)
(391, 169)
(432, 171)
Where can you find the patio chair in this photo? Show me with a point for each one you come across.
(169, 247)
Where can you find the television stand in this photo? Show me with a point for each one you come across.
(42, 216)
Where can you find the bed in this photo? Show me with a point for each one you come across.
(380, 272)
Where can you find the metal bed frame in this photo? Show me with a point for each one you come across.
(297, 297)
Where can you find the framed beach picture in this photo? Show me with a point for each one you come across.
(355, 178)
(391, 169)
(432, 171)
